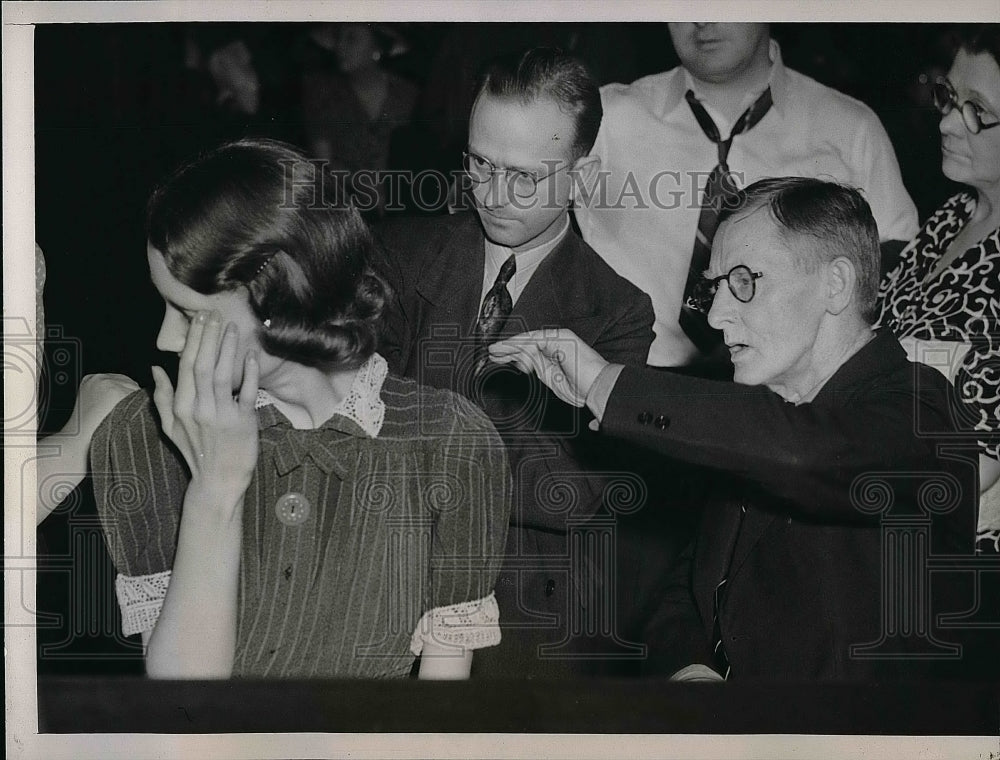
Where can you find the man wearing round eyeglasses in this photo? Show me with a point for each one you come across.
(794, 562)
(512, 264)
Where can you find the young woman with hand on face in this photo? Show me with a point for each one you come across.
(287, 508)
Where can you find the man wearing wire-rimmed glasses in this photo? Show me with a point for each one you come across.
(514, 263)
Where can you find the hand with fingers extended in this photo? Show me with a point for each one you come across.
(214, 431)
(559, 358)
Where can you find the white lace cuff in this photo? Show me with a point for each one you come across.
(141, 598)
(469, 625)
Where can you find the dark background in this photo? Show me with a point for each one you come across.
(115, 109)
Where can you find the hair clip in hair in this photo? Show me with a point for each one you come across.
(263, 266)
(267, 322)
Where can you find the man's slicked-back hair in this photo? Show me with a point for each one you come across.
(834, 218)
(549, 72)
(258, 214)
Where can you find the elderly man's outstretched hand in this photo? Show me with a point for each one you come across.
(562, 361)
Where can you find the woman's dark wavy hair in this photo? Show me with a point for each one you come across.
(258, 214)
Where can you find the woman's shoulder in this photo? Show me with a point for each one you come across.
(415, 410)
(949, 220)
(131, 435)
(933, 238)
(954, 211)
(134, 411)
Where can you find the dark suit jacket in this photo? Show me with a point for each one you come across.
(824, 486)
(560, 470)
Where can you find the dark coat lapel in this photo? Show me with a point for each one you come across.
(883, 351)
(539, 304)
(449, 288)
(755, 525)
(720, 531)
(556, 294)
(452, 281)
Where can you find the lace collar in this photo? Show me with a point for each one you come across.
(363, 404)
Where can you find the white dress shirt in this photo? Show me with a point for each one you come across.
(642, 215)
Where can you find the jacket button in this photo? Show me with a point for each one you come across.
(662, 422)
(645, 418)
(550, 587)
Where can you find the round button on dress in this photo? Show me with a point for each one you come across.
(292, 508)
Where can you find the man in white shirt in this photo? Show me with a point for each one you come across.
(642, 213)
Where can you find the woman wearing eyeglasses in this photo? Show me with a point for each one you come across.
(943, 297)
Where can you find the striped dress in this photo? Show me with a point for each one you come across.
(357, 548)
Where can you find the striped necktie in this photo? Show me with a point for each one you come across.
(722, 664)
(497, 306)
(718, 647)
(720, 185)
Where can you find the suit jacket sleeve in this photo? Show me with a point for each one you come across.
(627, 340)
(808, 455)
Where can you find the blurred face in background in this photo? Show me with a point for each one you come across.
(718, 53)
(235, 77)
(355, 47)
(973, 159)
(534, 138)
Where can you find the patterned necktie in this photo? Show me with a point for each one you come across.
(497, 306)
(720, 184)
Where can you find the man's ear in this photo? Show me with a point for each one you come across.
(582, 176)
(841, 284)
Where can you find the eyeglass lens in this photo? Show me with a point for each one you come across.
(945, 99)
(481, 170)
(741, 284)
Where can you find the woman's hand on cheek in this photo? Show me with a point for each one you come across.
(215, 432)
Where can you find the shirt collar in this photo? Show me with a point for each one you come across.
(527, 259)
(777, 80)
(360, 413)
